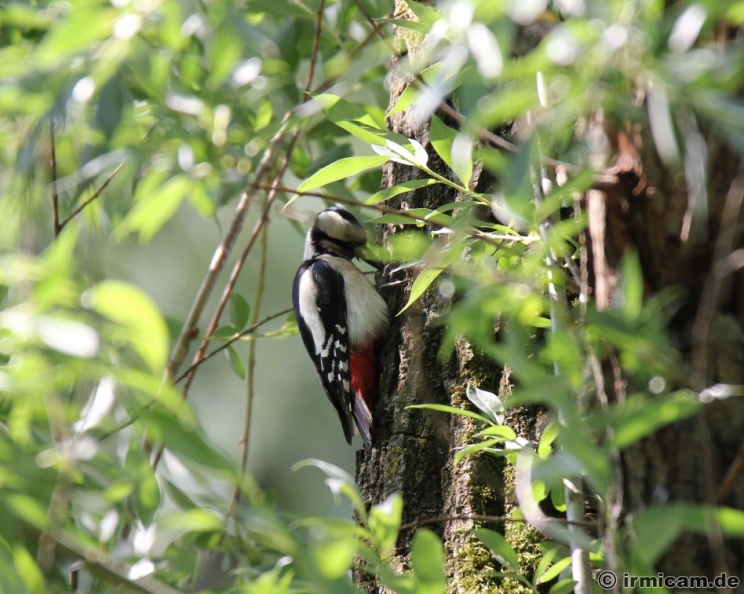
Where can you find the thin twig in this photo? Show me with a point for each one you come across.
(573, 489)
(484, 518)
(237, 337)
(95, 195)
(475, 233)
(250, 330)
(251, 376)
(179, 352)
(55, 193)
(699, 358)
(116, 572)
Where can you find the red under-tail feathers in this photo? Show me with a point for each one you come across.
(363, 368)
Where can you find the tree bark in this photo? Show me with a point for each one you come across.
(699, 460)
(413, 450)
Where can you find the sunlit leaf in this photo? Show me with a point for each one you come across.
(456, 154)
(423, 281)
(427, 559)
(154, 208)
(187, 443)
(566, 586)
(407, 186)
(341, 169)
(500, 548)
(487, 402)
(554, 570)
(240, 311)
(640, 416)
(384, 523)
(631, 283)
(475, 448)
(236, 362)
(139, 319)
(451, 410)
(192, 520)
(147, 497)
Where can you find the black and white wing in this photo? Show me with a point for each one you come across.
(320, 308)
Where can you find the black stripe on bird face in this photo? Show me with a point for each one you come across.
(324, 244)
(339, 225)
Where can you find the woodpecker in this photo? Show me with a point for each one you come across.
(341, 317)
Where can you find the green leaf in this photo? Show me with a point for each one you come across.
(631, 283)
(656, 528)
(384, 523)
(240, 311)
(563, 587)
(26, 508)
(500, 548)
(341, 169)
(422, 282)
(141, 324)
(476, 447)
(443, 139)
(417, 26)
(27, 568)
(225, 51)
(639, 416)
(408, 186)
(339, 110)
(545, 445)
(334, 555)
(147, 497)
(187, 443)
(427, 559)
(554, 570)
(236, 363)
(451, 410)
(154, 208)
(339, 481)
(592, 460)
(424, 13)
(487, 402)
(192, 520)
(498, 431)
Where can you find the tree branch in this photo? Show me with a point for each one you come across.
(55, 193)
(95, 195)
(415, 524)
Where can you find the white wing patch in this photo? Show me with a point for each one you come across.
(308, 300)
(366, 310)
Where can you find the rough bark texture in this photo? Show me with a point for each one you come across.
(701, 460)
(648, 213)
(413, 451)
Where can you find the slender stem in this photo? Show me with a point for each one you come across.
(222, 347)
(55, 193)
(95, 195)
(573, 490)
(181, 348)
(484, 518)
(251, 379)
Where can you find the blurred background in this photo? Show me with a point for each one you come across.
(292, 418)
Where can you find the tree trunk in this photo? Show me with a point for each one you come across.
(414, 449)
(650, 213)
(679, 247)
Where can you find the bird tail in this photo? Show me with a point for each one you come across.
(363, 367)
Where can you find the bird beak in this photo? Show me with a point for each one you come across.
(366, 255)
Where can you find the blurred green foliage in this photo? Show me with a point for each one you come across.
(116, 114)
